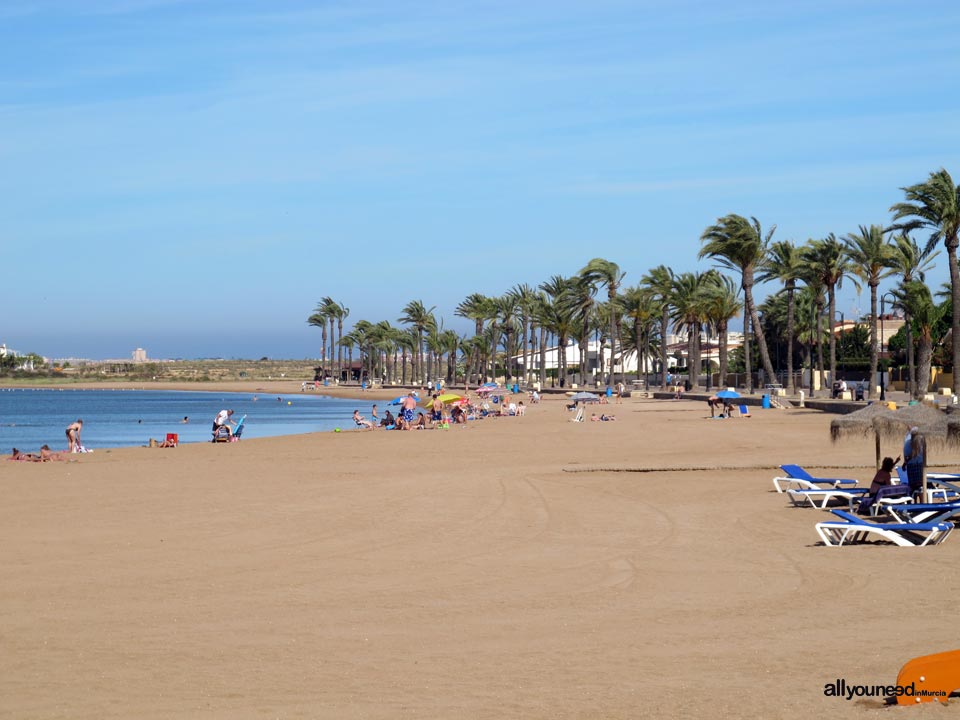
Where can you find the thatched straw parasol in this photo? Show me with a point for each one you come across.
(933, 423)
(859, 423)
(886, 424)
(953, 428)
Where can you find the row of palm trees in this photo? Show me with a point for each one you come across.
(512, 329)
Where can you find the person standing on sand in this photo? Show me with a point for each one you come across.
(73, 436)
(222, 420)
(373, 414)
(406, 413)
(437, 415)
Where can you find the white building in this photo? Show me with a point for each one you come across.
(139, 355)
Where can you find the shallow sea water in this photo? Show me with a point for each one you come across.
(125, 418)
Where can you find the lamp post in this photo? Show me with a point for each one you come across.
(883, 385)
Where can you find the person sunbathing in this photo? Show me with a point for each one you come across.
(23, 457)
(421, 423)
(46, 455)
(361, 421)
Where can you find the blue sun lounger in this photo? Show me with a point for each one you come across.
(850, 529)
(925, 512)
(797, 477)
(822, 497)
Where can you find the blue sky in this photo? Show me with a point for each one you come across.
(192, 177)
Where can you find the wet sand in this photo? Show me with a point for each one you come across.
(519, 567)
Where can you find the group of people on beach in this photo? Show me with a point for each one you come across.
(439, 413)
(74, 445)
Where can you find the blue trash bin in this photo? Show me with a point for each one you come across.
(766, 402)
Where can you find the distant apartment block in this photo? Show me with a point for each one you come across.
(139, 355)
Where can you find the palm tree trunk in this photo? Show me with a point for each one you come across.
(664, 331)
(911, 365)
(924, 357)
(819, 336)
(791, 382)
(543, 357)
(832, 308)
(874, 353)
(747, 316)
(758, 332)
(951, 243)
(722, 342)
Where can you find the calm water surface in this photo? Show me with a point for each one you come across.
(123, 418)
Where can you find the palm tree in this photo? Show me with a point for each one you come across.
(935, 204)
(476, 307)
(524, 296)
(416, 315)
(579, 303)
(831, 264)
(660, 282)
(604, 273)
(871, 259)
(559, 318)
(507, 310)
(911, 263)
(722, 304)
(641, 307)
(336, 312)
(916, 300)
(784, 263)
(539, 321)
(690, 311)
(740, 244)
(814, 297)
(319, 319)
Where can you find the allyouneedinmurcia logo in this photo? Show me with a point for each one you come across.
(848, 691)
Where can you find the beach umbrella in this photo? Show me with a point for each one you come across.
(397, 400)
(446, 399)
(885, 424)
(585, 397)
(491, 385)
(932, 422)
(860, 424)
(728, 394)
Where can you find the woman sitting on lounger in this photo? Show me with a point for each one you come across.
(883, 476)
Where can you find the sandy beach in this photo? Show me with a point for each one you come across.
(515, 568)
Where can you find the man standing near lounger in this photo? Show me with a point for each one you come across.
(222, 420)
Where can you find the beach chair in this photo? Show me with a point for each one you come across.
(821, 498)
(579, 416)
(849, 529)
(925, 512)
(744, 413)
(797, 477)
(886, 497)
(173, 439)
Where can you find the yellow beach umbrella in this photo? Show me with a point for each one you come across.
(446, 399)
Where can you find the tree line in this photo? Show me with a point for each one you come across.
(513, 331)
